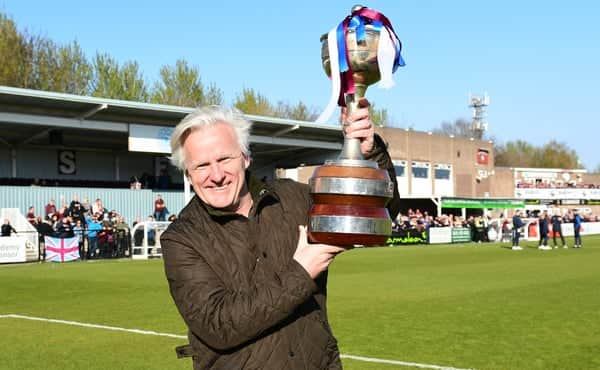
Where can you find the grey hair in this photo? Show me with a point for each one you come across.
(205, 117)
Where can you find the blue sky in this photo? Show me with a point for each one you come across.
(537, 60)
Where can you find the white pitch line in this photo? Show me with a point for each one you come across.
(403, 363)
(150, 332)
(86, 325)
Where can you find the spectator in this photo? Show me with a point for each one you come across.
(64, 229)
(44, 229)
(160, 208)
(77, 213)
(7, 228)
(31, 215)
(93, 228)
(62, 211)
(122, 236)
(147, 181)
(151, 231)
(74, 202)
(164, 180)
(86, 206)
(98, 208)
(577, 229)
(50, 209)
(517, 225)
(543, 228)
(78, 231)
(556, 221)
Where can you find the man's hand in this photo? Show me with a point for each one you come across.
(358, 125)
(315, 258)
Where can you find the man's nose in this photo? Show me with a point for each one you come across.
(216, 171)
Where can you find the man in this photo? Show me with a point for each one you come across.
(517, 225)
(31, 215)
(577, 229)
(50, 209)
(7, 229)
(543, 228)
(249, 286)
(556, 222)
(160, 208)
(122, 233)
(93, 229)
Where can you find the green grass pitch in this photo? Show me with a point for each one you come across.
(464, 306)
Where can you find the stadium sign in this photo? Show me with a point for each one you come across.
(461, 235)
(566, 193)
(150, 139)
(13, 249)
(481, 203)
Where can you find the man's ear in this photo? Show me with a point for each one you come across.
(247, 160)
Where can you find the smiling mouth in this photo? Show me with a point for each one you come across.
(220, 188)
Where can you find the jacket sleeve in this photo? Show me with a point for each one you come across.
(223, 318)
(380, 154)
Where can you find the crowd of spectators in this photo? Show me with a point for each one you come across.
(101, 232)
(482, 228)
(421, 220)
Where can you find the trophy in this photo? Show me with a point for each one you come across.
(350, 193)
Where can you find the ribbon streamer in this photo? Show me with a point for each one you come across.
(335, 78)
(388, 55)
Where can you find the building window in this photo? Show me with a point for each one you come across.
(420, 170)
(400, 168)
(442, 174)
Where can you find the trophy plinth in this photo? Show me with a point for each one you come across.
(349, 204)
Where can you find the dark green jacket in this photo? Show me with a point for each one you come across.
(247, 303)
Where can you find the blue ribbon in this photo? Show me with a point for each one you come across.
(341, 42)
(358, 24)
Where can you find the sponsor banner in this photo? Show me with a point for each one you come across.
(13, 249)
(407, 237)
(150, 139)
(461, 234)
(481, 203)
(587, 228)
(567, 193)
(440, 235)
(591, 202)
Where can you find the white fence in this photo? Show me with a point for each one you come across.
(145, 239)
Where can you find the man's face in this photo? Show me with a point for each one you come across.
(215, 166)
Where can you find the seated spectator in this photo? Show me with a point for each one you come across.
(31, 215)
(160, 208)
(7, 228)
(50, 209)
(64, 228)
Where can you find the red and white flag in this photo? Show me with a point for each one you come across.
(61, 250)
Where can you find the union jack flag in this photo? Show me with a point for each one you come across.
(61, 250)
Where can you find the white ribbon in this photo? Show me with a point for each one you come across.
(336, 83)
(386, 54)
